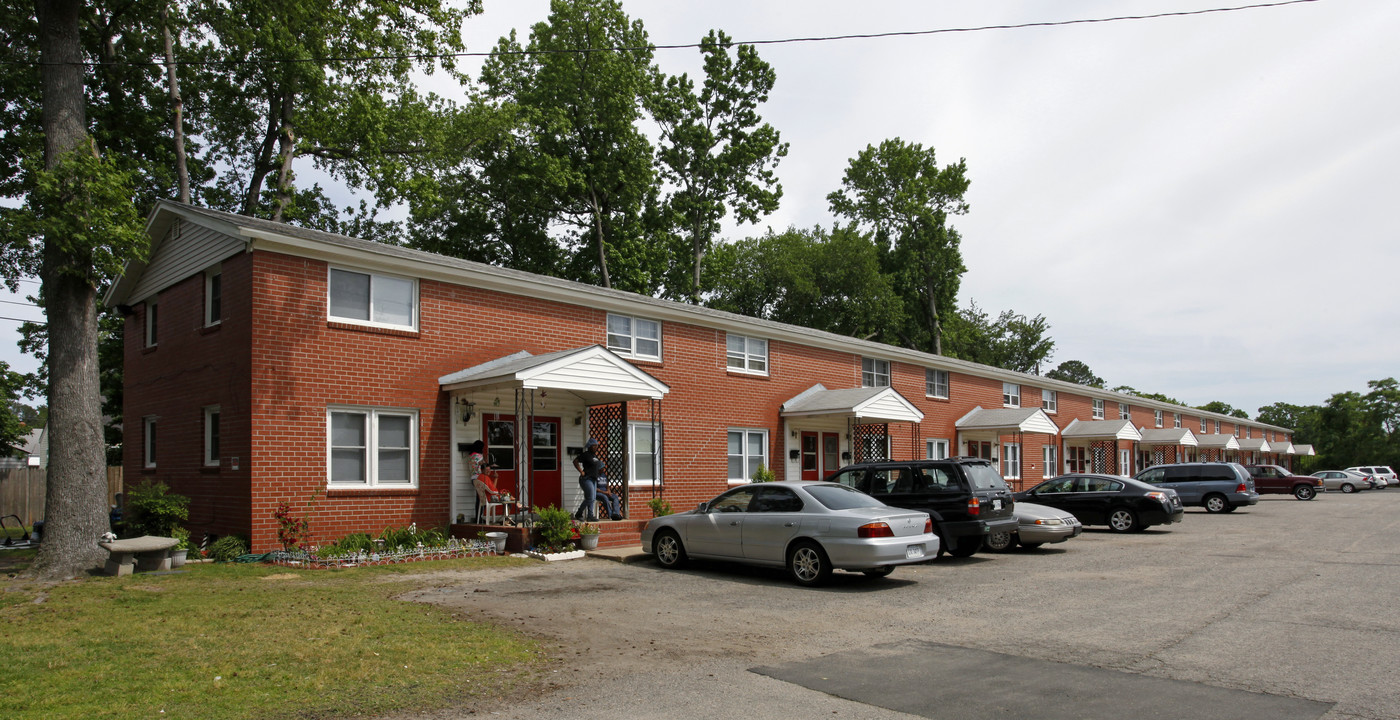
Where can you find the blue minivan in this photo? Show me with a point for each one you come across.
(1215, 486)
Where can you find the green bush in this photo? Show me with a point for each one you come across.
(151, 509)
(228, 548)
(556, 528)
(356, 542)
(407, 538)
(659, 507)
(763, 474)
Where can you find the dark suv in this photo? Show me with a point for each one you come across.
(1272, 479)
(1215, 486)
(965, 496)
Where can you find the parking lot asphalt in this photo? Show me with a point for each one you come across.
(1285, 609)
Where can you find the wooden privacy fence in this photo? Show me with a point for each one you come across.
(22, 491)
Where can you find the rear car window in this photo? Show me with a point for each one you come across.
(840, 497)
(983, 477)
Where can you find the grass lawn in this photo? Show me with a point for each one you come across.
(248, 641)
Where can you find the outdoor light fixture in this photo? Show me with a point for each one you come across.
(467, 408)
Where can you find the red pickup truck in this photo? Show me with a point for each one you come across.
(1274, 480)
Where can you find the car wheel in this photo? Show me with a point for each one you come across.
(1122, 520)
(1216, 503)
(999, 541)
(808, 564)
(1348, 488)
(879, 572)
(1231, 508)
(1304, 492)
(1030, 546)
(964, 547)
(668, 549)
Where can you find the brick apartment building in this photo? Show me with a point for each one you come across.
(266, 363)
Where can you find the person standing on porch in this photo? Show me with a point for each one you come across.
(590, 467)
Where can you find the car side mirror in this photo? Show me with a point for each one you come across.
(702, 508)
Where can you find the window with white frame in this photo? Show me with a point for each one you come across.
(748, 451)
(1125, 411)
(1237, 431)
(644, 454)
(1049, 401)
(1217, 427)
(1176, 420)
(634, 337)
(373, 299)
(747, 354)
(1157, 417)
(1011, 460)
(1098, 408)
(211, 436)
(372, 447)
(874, 373)
(1010, 395)
(1051, 455)
(152, 313)
(936, 449)
(1125, 461)
(148, 440)
(936, 383)
(1203, 425)
(213, 295)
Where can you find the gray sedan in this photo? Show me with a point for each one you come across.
(1035, 526)
(1345, 480)
(810, 528)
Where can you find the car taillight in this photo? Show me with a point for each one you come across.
(928, 526)
(974, 507)
(1241, 488)
(874, 530)
(1160, 497)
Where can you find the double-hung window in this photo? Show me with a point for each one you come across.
(874, 373)
(634, 337)
(152, 325)
(1157, 417)
(1098, 408)
(748, 451)
(644, 454)
(372, 447)
(936, 383)
(373, 299)
(936, 449)
(148, 432)
(1203, 425)
(1049, 401)
(1217, 427)
(1010, 395)
(211, 436)
(747, 354)
(1125, 411)
(1011, 460)
(213, 295)
(1176, 420)
(1051, 455)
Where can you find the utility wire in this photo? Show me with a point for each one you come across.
(680, 46)
(16, 302)
(36, 322)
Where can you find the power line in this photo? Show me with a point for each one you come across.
(36, 322)
(16, 302)
(682, 46)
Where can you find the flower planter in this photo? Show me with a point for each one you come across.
(177, 557)
(553, 557)
(588, 542)
(500, 539)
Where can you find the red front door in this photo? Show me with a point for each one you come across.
(831, 454)
(811, 459)
(545, 471)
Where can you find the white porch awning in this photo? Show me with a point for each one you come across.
(873, 404)
(1218, 441)
(1168, 436)
(1101, 430)
(1281, 447)
(1304, 449)
(1254, 445)
(593, 374)
(1007, 421)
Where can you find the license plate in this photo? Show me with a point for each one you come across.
(996, 504)
(913, 551)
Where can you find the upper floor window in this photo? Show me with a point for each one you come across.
(151, 323)
(372, 447)
(936, 383)
(1049, 401)
(213, 295)
(1203, 424)
(1237, 431)
(148, 430)
(747, 354)
(1125, 411)
(1011, 395)
(634, 337)
(1176, 420)
(1098, 408)
(373, 299)
(874, 373)
(1217, 427)
(1157, 417)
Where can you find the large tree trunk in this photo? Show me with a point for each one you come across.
(286, 143)
(935, 324)
(598, 233)
(178, 122)
(75, 510)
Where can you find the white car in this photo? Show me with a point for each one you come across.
(1380, 472)
(808, 527)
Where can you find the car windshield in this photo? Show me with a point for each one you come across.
(984, 477)
(840, 497)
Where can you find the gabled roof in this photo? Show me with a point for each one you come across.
(594, 374)
(1086, 429)
(1024, 420)
(1168, 436)
(1219, 441)
(1254, 445)
(1304, 449)
(1282, 447)
(881, 404)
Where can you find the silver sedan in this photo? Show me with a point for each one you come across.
(810, 528)
(1036, 525)
(1345, 480)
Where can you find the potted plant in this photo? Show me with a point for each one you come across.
(182, 546)
(587, 536)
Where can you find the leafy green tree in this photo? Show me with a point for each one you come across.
(1129, 390)
(1224, 408)
(899, 194)
(1012, 341)
(715, 149)
(13, 427)
(578, 148)
(1076, 372)
(1286, 415)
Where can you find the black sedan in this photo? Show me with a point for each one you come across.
(1121, 503)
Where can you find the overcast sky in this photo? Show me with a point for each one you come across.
(1201, 206)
